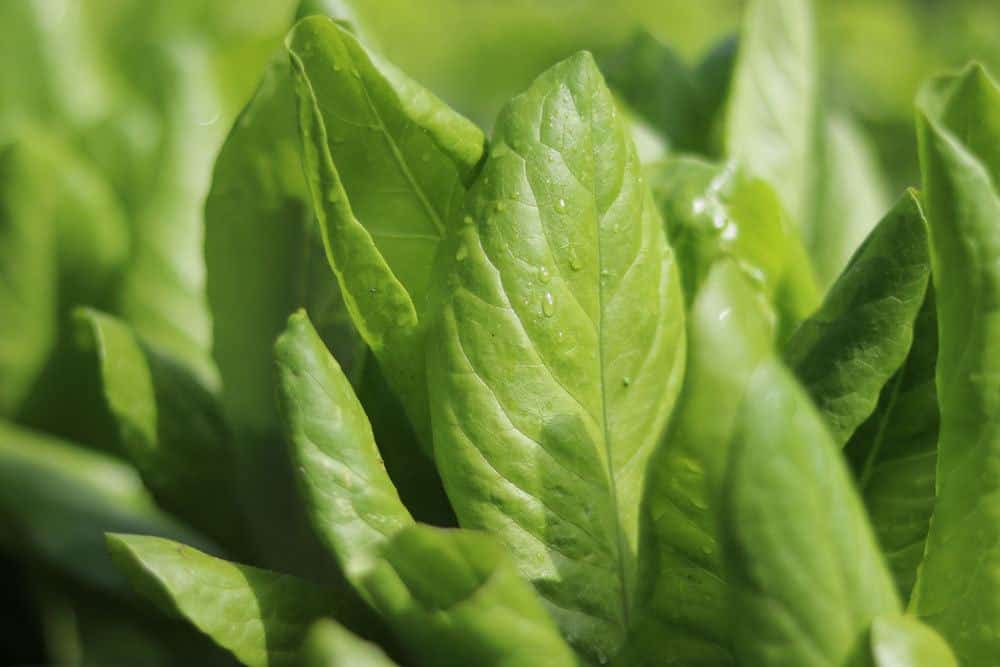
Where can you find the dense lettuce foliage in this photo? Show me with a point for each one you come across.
(656, 372)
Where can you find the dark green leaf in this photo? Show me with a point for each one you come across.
(847, 351)
(57, 499)
(894, 454)
(660, 87)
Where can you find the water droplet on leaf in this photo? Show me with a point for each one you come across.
(548, 305)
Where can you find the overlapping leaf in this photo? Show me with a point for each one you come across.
(807, 575)
(847, 351)
(387, 164)
(958, 588)
(683, 609)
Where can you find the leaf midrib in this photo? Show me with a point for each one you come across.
(608, 451)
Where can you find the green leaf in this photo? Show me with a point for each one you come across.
(64, 242)
(166, 420)
(847, 351)
(386, 163)
(894, 454)
(163, 291)
(807, 576)
(713, 212)
(349, 497)
(329, 644)
(683, 593)
(903, 641)
(28, 277)
(850, 198)
(660, 87)
(771, 121)
(259, 616)
(454, 598)
(57, 499)
(560, 353)
(957, 589)
(261, 239)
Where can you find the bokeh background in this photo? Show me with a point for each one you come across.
(145, 91)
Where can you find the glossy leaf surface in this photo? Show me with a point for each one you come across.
(350, 499)
(386, 164)
(560, 353)
(261, 617)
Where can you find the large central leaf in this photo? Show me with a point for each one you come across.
(560, 351)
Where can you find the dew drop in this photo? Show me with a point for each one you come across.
(574, 260)
(605, 274)
(724, 315)
(627, 381)
(462, 252)
(561, 204)
(707, 550)
(468, 220)
(543, 275)
(336, 67)
(499, 206)
(548, 305)
(355, 73)
(373, 291)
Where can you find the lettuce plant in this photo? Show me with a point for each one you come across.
(533, 399)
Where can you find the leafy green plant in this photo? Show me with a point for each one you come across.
(525, 399)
